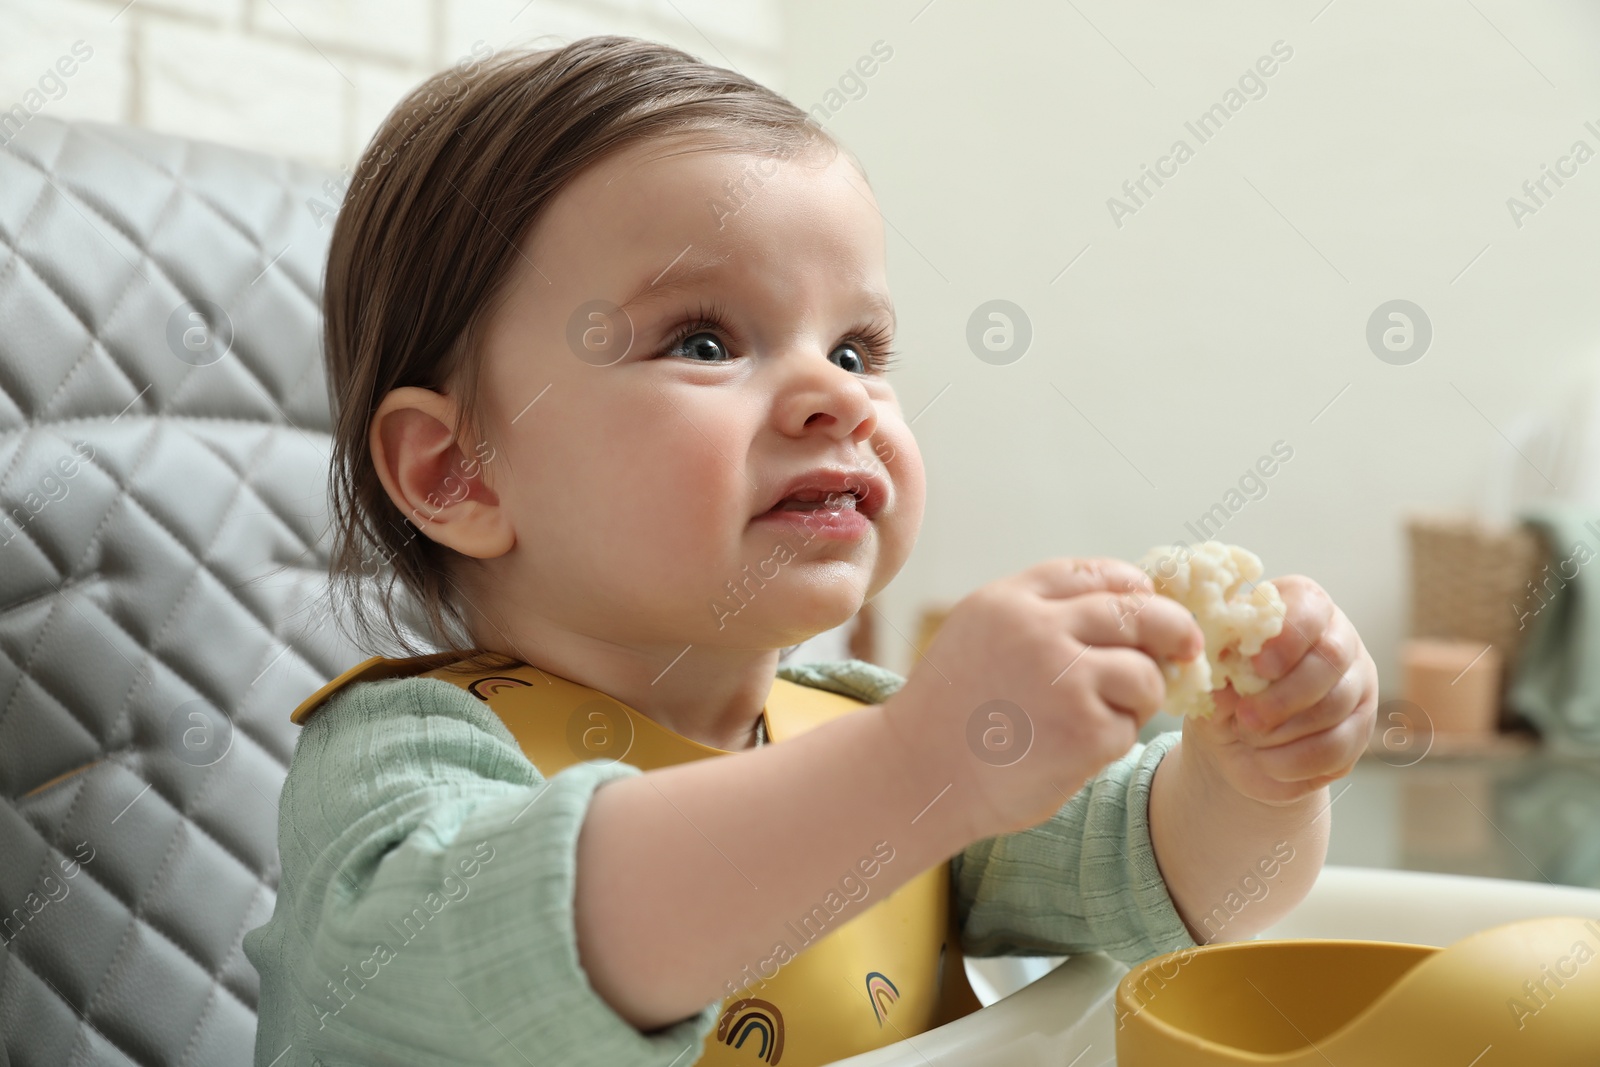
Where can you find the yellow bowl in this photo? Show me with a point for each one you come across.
(1523, 993)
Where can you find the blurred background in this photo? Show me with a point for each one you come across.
(1318, 279)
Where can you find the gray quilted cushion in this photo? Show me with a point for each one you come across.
(161, 556)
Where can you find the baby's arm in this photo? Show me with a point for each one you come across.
(1248, 786)
(687, 875)
(1233, 866)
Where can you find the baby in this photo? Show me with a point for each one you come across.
(583, 309)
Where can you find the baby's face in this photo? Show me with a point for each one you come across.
(637, 487)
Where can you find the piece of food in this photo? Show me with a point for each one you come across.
(1238, 613)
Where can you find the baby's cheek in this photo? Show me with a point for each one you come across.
(902, 460)
(693, 502)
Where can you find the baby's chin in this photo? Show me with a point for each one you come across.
(784, 597)
(779, 617)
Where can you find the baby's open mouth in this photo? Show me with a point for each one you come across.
(843, 491)
(816, 499)
(813, 514)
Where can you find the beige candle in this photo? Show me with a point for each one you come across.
(1457, 683)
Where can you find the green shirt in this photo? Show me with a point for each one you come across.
(424, 914)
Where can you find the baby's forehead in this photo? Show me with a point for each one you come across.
(723, 182)
(670, 211)
(813, 150)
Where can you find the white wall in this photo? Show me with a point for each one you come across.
(1228, 311)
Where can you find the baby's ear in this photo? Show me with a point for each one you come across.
(437, 484)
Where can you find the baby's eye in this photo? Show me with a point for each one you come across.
(702, 346)
(854, 362)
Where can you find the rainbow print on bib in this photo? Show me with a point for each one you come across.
(882, 993)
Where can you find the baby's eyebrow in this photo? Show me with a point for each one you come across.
(698, 273)
(686, 278)
(877, 301)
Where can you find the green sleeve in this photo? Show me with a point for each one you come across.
(424, 913)
(1083, 880)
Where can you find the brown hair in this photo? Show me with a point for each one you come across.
(428, 232)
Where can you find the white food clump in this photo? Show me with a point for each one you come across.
(1208, 579)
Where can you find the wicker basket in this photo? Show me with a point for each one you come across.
(1469, 580)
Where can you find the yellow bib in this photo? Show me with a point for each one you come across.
(828, 989)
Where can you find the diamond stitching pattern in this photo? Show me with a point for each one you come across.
(119, 228)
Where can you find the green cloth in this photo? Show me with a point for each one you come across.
(1556, 681)
(424, 913)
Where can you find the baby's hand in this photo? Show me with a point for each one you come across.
(1312, 722)
(1036, 682)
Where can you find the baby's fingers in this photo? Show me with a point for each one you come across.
(1330, 753)
(1308, 682)
(1335, 706)
(1063, 577)
(1161, 627)
(1127, 680)
(1308, 610)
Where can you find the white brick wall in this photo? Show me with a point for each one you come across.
(225, 84)
(313, 78)
(36, 36)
